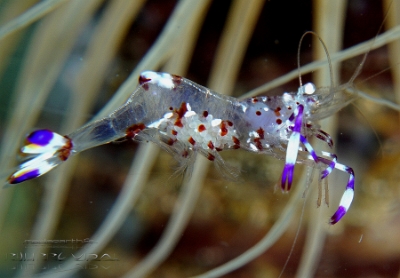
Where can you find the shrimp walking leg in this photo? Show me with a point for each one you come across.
(347, 197)
(292, 150)
(331, 164)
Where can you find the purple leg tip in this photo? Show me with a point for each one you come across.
(325, 173)
(341, 211)
(350, 184)
(287, 174)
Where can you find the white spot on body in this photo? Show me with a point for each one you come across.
(287, 97)
(168, 115)
(216, 122)
(189, 114)
(157, 123)
(161, 79)
(253, 147)
(190, 129)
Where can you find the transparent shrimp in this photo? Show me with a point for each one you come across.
(185, 118)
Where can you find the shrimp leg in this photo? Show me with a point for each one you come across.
(347, 197)
(295, 140)
(293, 149)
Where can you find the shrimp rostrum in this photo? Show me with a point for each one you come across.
(185, 118)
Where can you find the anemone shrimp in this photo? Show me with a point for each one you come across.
(175, 112)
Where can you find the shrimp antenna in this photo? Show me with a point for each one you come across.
(326, 52)
(360, 66)
(380, 151)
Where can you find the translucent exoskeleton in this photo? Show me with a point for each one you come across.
(185, 118)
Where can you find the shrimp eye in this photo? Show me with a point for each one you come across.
(309, 88)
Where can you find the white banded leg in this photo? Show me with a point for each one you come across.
(292, 150)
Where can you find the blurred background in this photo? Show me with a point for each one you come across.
(64, 63)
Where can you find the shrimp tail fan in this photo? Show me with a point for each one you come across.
(44, 150)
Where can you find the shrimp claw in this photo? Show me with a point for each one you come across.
(48, 150)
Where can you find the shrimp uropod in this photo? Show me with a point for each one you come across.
(184, 118)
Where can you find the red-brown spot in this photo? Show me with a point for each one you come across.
(143, 79)
(254, 100)
(277, 113)
(143, 82)
(133, 130)
(201, 128)
(260, 132)
(171, 108)
(289, 108)
(191, 141)
(65, 151)
(224, 130)
(176, 79)
(258, 113)
(171, 141)
(258, 143)
(236, 142)
(210, 157)
(210, 145)
(185, 153)
(63, 154)
(181, 111)
(145, 86)
(218, 149)
(205, 114)
(174, 132)
(278, 121)
(178, 123)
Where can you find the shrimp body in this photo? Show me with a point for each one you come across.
(185, 118)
